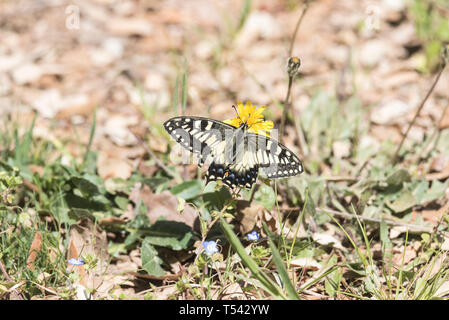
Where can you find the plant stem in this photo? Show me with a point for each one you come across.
(291, 78)
(432, 142)
(286, 108)
(298, 23)
(173, 174)
(395, 157)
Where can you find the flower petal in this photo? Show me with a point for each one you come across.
(235, 122)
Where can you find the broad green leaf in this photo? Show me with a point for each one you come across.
(213, 198)
(405, 201)
(121, 202)
(75, 201)
(435, 192)
(85, 186)
(420, 190)
(78, 213)
(265, 196)
(187, 190)
(397, 178)
(115, 185)
(171, 234)
(151, 262)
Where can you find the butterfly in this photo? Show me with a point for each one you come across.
(235, 152)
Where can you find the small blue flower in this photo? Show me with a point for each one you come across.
(210, 247)
(76, 262)
(253, 236)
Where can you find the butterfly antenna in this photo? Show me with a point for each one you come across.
(235, 109)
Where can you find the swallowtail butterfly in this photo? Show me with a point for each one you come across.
(235, 153)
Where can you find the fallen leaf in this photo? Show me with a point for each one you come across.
(116, 128)
(158, 144)
(108, 221)
(147, 170)
(165, 205)
(327, 239)
(85, 238)
(441, 175)
(112, 167)
(306, 262)
(36, 169)
(390, 112)
(27, 73)
(36, 246)
(399, 258)
(443, 290)
(444, 124)
(130, 26)
(247, 214)
(397, 231)
(233, 292)
(445, 244)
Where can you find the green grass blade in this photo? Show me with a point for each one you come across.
(91, 135)
(289, 287)
(265, 281)
(244, 15)
(175, 97)
(184, 92)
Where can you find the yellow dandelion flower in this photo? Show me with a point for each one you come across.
(253, 117)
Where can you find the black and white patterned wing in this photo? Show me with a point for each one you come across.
(236, 163)
(202, 136)
(276, 160)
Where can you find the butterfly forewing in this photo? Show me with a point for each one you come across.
(198, 135)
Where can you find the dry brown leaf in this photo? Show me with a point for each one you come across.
(36, 169)
(410, 254)
(112, 167)
(116, 128)
(87, 239)
(443, 290)
(73, 253)
(306, 262)
(396, 231)
(147, 170)
(158, 144)
(247, 214)
(111, 221)
(233, 292)
(433, 216)
(130, 26)
(165, 205)
(36, 246)
(445, 244)
(327, 239)
(136, 195)
(441, 175)
(79, 104)
(444, 124)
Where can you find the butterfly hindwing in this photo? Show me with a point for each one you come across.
(232, 177)
(276, 160)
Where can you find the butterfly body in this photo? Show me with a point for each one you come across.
(236, 154)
